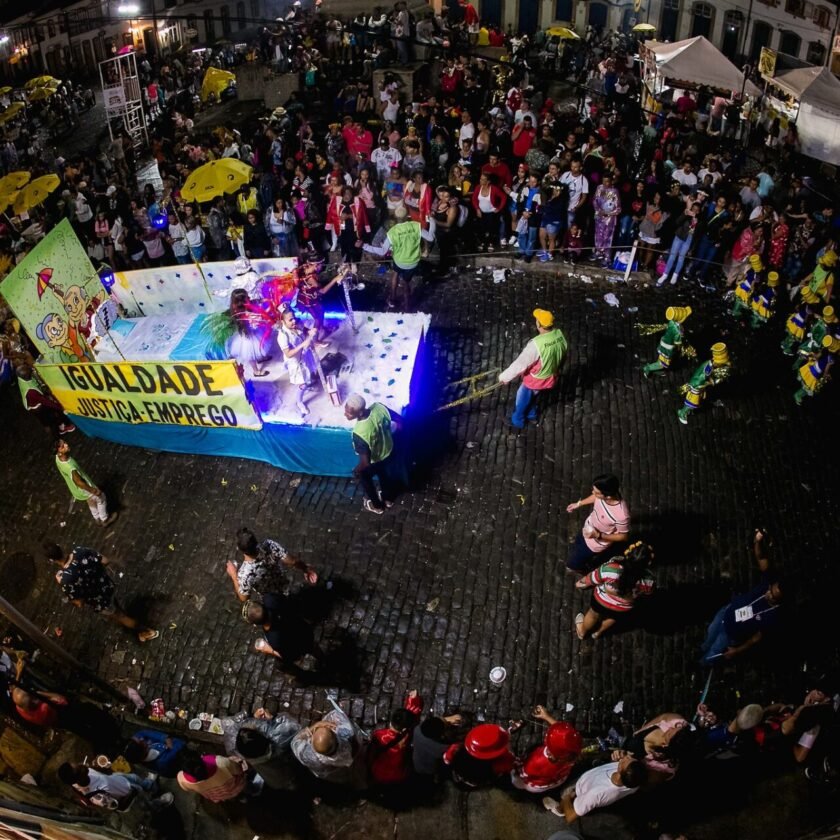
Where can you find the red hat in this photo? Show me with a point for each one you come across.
(487, 741)
(563, 737)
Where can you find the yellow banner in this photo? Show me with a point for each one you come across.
(203, 394)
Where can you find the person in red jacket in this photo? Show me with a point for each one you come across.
(488, 201)
(523, 136)
(547, 766)
(389, 753)
(357, 139)
(347, 219)
(498, 170)
(483, 757)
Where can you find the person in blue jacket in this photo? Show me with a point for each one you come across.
(156, 751)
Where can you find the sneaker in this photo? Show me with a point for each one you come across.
(662, 280)
(66, 428)
(674, 279)
(683, 419)
(165, 800)
(550, 256)
(387, 504)
(491, 248)
(368, 506)
(514, 240)
(148, 635)
(543, 257)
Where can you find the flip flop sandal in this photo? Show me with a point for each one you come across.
(142, 637)
(552, 805)
(579, 625)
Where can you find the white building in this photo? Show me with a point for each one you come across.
(72, 38)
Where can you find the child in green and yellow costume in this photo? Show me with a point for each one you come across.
(671, 341)
(710, 373)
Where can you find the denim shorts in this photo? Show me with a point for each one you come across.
(552, 229)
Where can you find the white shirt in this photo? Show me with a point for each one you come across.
(578, 186)
(115, 784)
(595, 789)
(382, 160)
(466, 131)
(82, 208)
(716, 176)
(687, 179)
(300, 366)
(177, 233)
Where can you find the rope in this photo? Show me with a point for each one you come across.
(474, 392)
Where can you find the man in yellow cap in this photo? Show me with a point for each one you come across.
(538, 364)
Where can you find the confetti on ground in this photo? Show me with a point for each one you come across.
(619, 707)
(171, 547)
(224, 482)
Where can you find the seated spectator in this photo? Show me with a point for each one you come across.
(38, 708)
(729, 737)
(599, 788)
(749, 618)
(264, 743)
(333, 749)
(108, 790)
(430, 741)
(389, 752)
(660, 744)
(548, 765)
(156, 751)
(214, 777)
(483, 757)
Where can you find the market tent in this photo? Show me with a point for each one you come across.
(697, 61)
(814, 86)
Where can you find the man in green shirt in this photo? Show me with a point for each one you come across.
(404, 241)
(373, 441)
(81, 487)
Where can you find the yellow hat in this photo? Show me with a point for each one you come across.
(677, 313)
(829, 259)
(720, 355)
(827, 315)
(755, 262)
(831, 343)
(773, 278)
(808, 296)
(544, 318)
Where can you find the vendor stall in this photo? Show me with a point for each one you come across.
(692, 63)
(133, 364)
(809, 98)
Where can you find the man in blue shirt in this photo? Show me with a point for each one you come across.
(748, 618)
(156, 751)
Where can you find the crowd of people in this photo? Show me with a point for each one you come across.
(479, 159)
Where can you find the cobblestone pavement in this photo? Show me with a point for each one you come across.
(465, 573)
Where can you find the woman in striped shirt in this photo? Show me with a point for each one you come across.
(616, 585)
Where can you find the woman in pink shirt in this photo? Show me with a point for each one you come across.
(607, 525)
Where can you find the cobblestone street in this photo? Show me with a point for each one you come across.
(464, 573)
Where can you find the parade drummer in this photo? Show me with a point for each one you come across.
(764, 299)
(310, 291)
(747, 286)
(538, 364)
(795, 326)
(671, 340)
(824, 324)
(818, 285)
(295, 335)
(708, 374)
(247, 278)
(814, 373)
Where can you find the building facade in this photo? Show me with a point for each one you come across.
(799, 29)
(74, 38)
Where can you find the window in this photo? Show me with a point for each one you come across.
(255, 9)
(209, 26)
(701, 24)
(192, 23)
(795, 7)
(563, 10)
(790, 43)
(225, 14)
(733, 18)
(822, 17)
(816, 53)
(669, 19)
(240, 15)
(51, 28)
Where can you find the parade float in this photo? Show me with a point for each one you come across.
(127, 356)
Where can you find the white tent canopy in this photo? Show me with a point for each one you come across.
(699, 62)
(814, 86)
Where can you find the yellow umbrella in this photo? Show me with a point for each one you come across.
(215, 178)
(215, 82)
(8, 198)
(11, 112)
(5, 89)
(41, 93)
(40, 81)
(562, 32)
(14, 181)
(35, 192)
(644, 27)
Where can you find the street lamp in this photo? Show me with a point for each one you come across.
(128, 9)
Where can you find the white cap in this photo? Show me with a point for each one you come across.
(241, 265)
